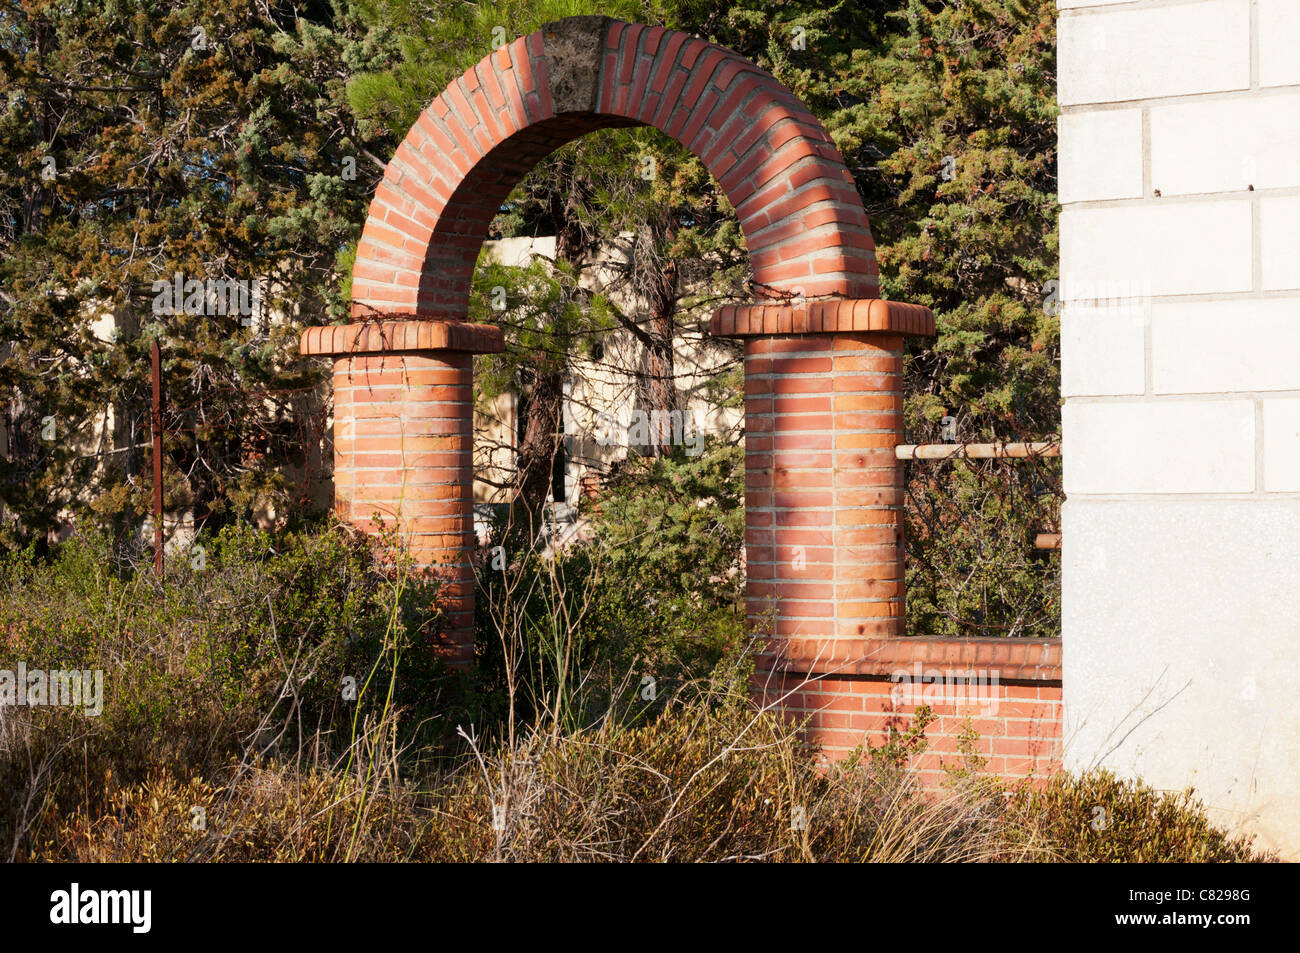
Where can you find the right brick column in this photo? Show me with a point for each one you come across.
(823, 489)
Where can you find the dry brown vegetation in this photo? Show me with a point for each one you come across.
(223, 739)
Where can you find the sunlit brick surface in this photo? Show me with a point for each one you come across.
(1007, 692)
(823, 492)
(403, 445)
(1017, 729)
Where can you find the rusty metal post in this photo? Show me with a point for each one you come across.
(155, 424)
(978, 451)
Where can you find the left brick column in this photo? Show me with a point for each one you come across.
(403, 448)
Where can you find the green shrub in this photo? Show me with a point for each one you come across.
(246, 653)
(668, 533)
(709, 778)
(654, 590)
(1099, 818)
(222, 693)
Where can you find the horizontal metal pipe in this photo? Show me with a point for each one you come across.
(1047, 541)
(976, 451)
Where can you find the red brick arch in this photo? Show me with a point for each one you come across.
(824, 489)
(823, 400)
(799, 210)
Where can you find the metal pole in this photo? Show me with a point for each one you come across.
(155, 424)
(976, 451)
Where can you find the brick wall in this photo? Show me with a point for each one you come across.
(1016, 722)
(825, 557)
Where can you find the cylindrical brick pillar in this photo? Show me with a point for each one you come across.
(823, 489)
(403, 448)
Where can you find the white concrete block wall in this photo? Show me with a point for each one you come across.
(1113, 53)
(1159, 446)
(1180, 277)
(1279, 38)
(1279, 240)
(1191, 247)
(1114, 133)
(1281, 421)
(1103, 350)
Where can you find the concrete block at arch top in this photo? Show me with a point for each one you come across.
(574, 47)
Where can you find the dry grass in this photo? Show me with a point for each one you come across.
(698, 773)
(707, 780)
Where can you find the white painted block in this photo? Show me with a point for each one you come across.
(1079, 4)
(1180, 628)
(1100, 155)
(1282, 445)
(1225, 346)
(1227, 145)
(1150, 446)
(1118, 55)
(1279, 42)
(1102, 352)
(1166, 247)
(1279, 226)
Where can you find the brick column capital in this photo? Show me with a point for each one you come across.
(822, 316)
(369, 337)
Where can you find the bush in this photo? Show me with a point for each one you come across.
(972, 569)
(652, 590)
(224, 737)
(1099, 818)
(203, 665)
(708, 778)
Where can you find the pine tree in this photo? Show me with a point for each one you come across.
(145, 139)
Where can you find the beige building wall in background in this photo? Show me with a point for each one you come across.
(605, 386)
